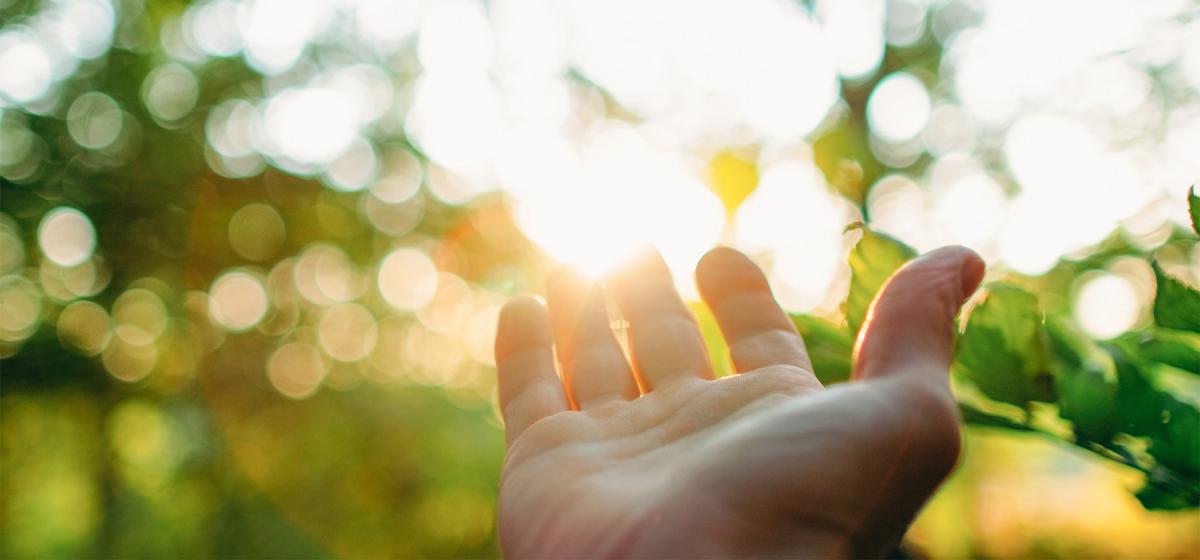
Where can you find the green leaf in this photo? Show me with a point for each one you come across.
(1085, 379)
(1176, 305)
(843, 154)
(975, 417)
(1177, 443)
(1154, 497)
(1173, 348)
(1194, 208)
(718, 350)
(872, 261)
(1139, 406)
(829, 347)
(1004, 349)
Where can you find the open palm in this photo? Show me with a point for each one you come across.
(658, 459)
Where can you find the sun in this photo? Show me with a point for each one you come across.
(621, 195)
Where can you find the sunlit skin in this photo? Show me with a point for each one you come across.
(652, 457)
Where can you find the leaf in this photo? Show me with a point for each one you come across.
(1154, 497)
(1176, 305)
(872, 261)
(829, 347)
(1004, 349)
(1177, 443)
(1139, 406)
(732, 176)
(976, 417)
(1144, 410)
(844, 155)
(718, 350)
(1194, 208)
(1173, 348)
(1085, 379)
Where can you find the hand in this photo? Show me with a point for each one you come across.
(658, 459)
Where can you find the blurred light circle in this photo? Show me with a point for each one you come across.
(854, 29)
(256, 231)
(310, 126)
(972, 209)
(898, 107)
(949, 129)
(898, 207)
(407, 279)
(128, 361)
(213, 27)
(296, 370)
(480, 334)
(905, 22)
(141, 308)
(234, 128)
(16, 143)
(83, 280)
(26, 69)
(324, 275)
(66, 236)
(394, 219)
(1028, 241)
(170, 92)
(367, 88)
(85, 27)
(22, 305)
(347, 332)
(354, 168)
(12, 251)
(450, 307)
(453, 188)
(275, 32)
(85, 326)
(1106, 305)
(94, 120)
(238, 301)
(456, 119)
(402, 176)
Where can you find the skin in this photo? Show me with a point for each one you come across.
(649, 456)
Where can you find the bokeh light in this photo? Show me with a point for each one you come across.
(66, 236)
(256, 231)
(238, 300)
(898, 108)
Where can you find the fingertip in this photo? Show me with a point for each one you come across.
(973, 271)
(724, 271)
(912, 318)
(970, 266)
(523, 323)
(645, 259)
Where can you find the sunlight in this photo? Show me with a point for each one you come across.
(620, 195)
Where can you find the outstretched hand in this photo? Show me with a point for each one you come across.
(655, 458)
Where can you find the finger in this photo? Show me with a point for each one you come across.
(529, 388)
(759, 333)
(909, 331)
(663, 336)
(594, 366)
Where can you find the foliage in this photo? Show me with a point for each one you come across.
(1017, 353)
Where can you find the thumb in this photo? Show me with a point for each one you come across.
(909, 331)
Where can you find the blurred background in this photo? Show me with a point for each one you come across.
(252, 251)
